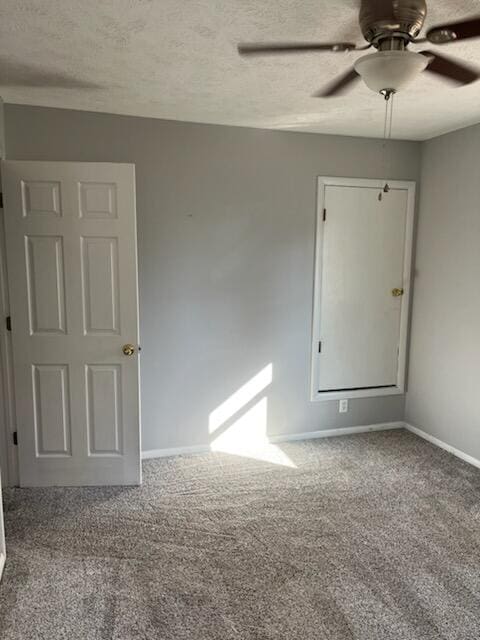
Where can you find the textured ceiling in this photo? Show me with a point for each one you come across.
(177, 59)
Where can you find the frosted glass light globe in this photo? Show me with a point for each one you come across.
(392, 70)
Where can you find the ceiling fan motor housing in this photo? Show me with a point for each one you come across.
(380, 19)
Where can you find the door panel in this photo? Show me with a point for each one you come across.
(98, 200)
(101, 306)
(45, 284)
(52, 416)
(40, 198)
(71, 245)
(104, 409)
(363, 254)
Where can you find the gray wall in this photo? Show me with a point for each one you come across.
(226, 220)
(444, 380)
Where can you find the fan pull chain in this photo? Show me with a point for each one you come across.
(387, 136)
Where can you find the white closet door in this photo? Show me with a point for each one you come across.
(362, 276)
(72, 264)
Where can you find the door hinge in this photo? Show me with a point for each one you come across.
(15, 438)
(319, 347)
(324, 215)
(8, 322)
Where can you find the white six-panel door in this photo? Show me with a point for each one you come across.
(72, 265)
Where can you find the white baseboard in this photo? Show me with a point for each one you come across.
(443, 445)
(342, 431)
(288, 437)
(175, 451)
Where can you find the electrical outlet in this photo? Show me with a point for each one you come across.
(343, 406)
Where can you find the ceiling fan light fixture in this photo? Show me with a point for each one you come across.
(390, 70)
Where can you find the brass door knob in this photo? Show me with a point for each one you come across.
(128, 349)
(396, 293)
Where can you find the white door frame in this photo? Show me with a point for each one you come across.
(323, 182)
(9, 459)
(8, 451)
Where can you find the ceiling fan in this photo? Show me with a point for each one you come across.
(389, 26)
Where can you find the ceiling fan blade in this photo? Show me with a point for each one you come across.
(448, 68)
(293, 47)
(337, 86)
(454, 31)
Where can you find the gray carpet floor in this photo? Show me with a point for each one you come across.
(375, 536)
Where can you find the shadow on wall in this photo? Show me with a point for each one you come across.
(239, 425)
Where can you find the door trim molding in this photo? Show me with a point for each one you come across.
(8, 451)
(443, 445)
(399, 388)
(9, 461)
(287, 437)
